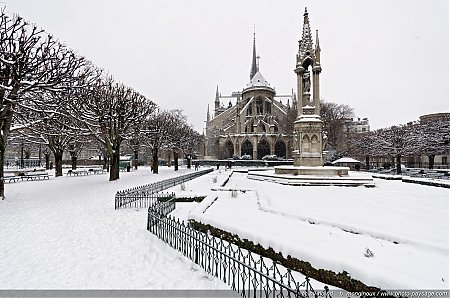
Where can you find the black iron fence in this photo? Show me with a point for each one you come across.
(141, 200)
(145, 195)
(248, 273)
(22, 163)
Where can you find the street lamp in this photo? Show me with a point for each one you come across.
(21, 155)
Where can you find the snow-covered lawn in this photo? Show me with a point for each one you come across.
(65, 234)
(404, 225)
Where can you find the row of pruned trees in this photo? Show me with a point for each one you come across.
(52, 96)
(428, 137)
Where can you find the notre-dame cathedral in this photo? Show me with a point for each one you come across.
(252, 122)
(256, 121)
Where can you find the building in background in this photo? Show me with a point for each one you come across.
(251, 122)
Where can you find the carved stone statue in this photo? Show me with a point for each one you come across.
(306, 82)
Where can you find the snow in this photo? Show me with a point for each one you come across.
(405, 225)
(258, 81)
(64, 233)
(346, 159)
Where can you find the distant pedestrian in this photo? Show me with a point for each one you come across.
(196, 165)
(229, 164)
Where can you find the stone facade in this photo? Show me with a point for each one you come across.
(250, 122)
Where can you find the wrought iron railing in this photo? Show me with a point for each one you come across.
(145, 195)
(248, 273)
(141, 200)
(22, 163)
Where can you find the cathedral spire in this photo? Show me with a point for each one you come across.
(317, 50)
(306, 43)
(216, 101)
(255, 67)
(208, 116)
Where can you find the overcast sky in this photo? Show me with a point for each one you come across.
(387, 59)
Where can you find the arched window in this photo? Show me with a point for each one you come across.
(280, 149)
(305, 143)
(263, 149)
(229, 149)
(268, 108)
(249, 110)
(315, 144)
(259, 106)
(247, 148)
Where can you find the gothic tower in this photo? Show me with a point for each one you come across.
(308, 127)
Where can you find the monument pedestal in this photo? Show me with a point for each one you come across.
(311, 176)
(313, 170)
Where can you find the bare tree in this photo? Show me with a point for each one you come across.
(190, 140)
(110, 110)
(58, 132)
(433, 137)
(334, 116)
(396, 141)
(29, 60)
(157, 133)
(364, 145)
(75, 148)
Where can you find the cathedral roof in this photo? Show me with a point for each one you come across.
(258, 81)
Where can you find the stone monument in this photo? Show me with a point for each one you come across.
(308, 166)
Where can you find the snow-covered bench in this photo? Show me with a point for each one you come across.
(77, 172)
(36, 176)
(434, 175)
(96, 171)
(11, 178)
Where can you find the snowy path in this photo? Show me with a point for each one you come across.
(65, 234)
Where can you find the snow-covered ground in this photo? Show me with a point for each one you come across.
(65, 234)
(405, 226)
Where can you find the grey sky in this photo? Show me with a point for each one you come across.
(387, 59)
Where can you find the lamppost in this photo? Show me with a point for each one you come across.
(21, 155)
(40, 153)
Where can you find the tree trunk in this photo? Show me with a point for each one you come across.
(367, 162)
(58, 162)
(74, 162)
(136, 156)
(47, 161)
(175, 160)
(2, 161)
(169, 159)
(155, 160)
(431, 161)
(399, 166)
(114, 163)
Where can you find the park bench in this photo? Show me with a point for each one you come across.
(77, 172)
(96, 171)
(446, 175)
(420, 173)
(36, 176)
(434, 175)
(11, 178)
